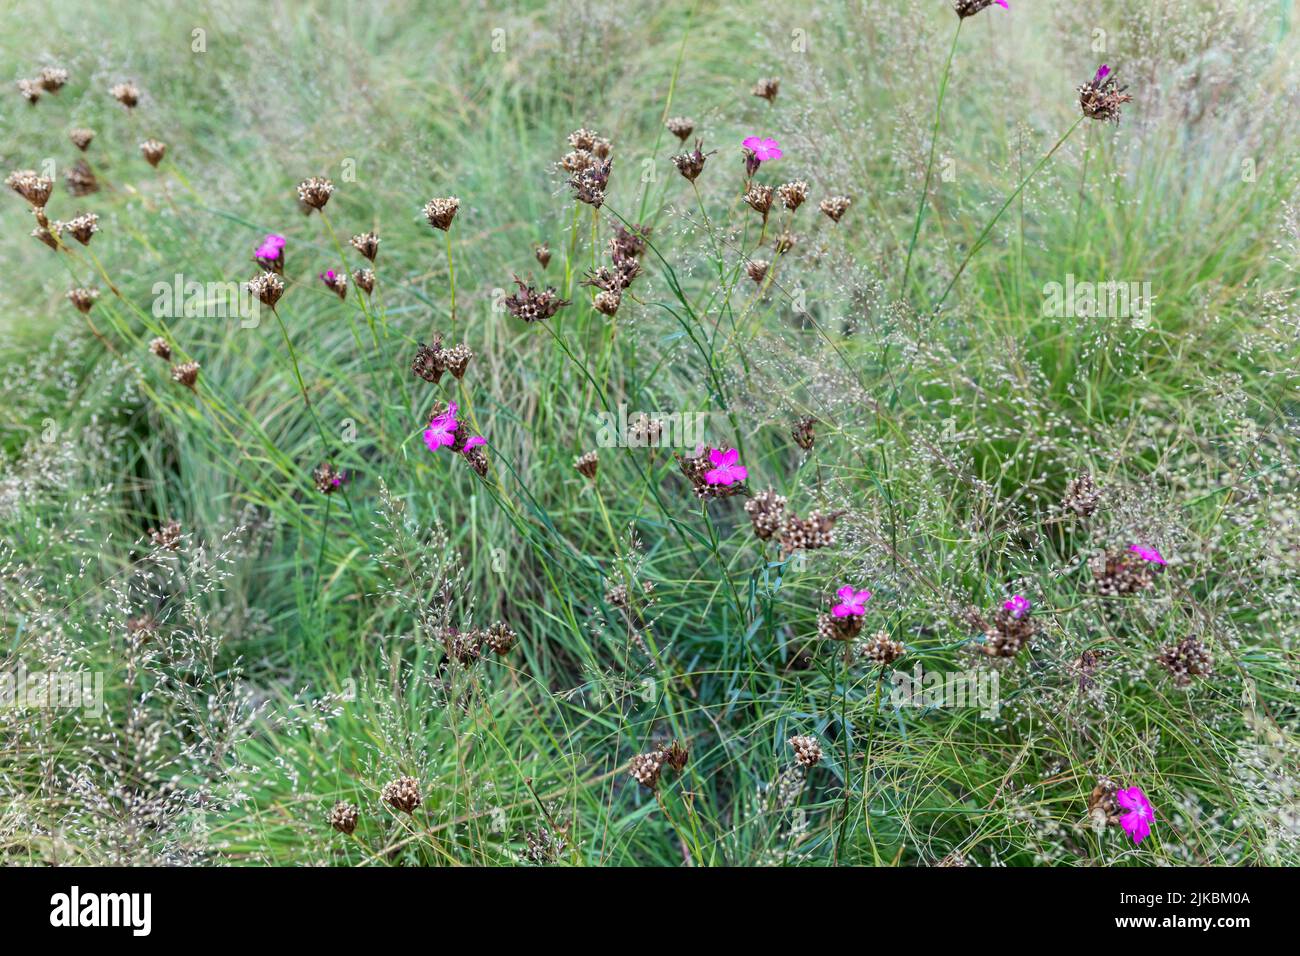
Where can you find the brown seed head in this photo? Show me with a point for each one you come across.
(187, 373)
(81, 137)
(160, 348)
(402, 794)
(83, 299)
(681, 127)
(767, 88)
(793, 194)
(153, 151)
(125, 93)
(366, 243)
(807, 751)
(34, 188)
(268, 287)
(80, 179)
(314, 192)
(587, 463)
(365, 280)
(52, 78)
(835, 206)
(440, 211)
(344, 817)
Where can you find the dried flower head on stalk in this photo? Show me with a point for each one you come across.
(314, 192)
(783, 243)
(366, 243)
(327, 478)
(34, 188)
(160, 348)
(607, 301)
(793, 194)
(1010, 631)
(30, 90)
(82, 227)
(1081, 496)
(1186, 659)
(681, 127)
(343, 817)
(759, 198)
(80, 179)
(336, 282)
(691, 164)
(766, 511)
(500, 638)
(153, 151)
(882, 649)
(767, 88)
(804, 433)
(440, 211)
(714, 473)
(81, 137)
(645, 768)
(756, 269)
(807, 750)
(835, 207)
(589, 183)
(125, 93)
(186, 373)
(809, 534)
(456, 359)
(166, 537)
(402, 794)
(52, 78)
(533, 306)
(83, 299)
(365, 280)
(968, 8)
(1101, 98)
(586, 464)
(268, 287)
(1118, 573)
(543, 254)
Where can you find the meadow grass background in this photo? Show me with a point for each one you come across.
(295, 665)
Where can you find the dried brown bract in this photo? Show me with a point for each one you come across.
(759, 199)
(328, 479)
(83, 299)
(756, 269)
(186, 373)
(533, 306)
(366, 243)
(153, 151)
(793, 194)
(34, 188)
(607, 301)
(767, 88)
(832, 628)
(804, 433)
(52, 78)
(691, 164)
(586, 464)
(343, 817)
(160, 348)
(125, 93)
(81, 137)
(365, 280)
(968, 8)
(1081, 496)
(1008, 634)
(1102, 98)
(1118, 573)
(807, 751)
(166, 537)
(681, 127)
(882, 649)
(809, 534)
(268, 287)
(500, 638)
(589, 184)
(645, 768)
(543, 255)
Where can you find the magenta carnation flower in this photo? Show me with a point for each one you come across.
(1137, 822)
(763, 149)
(852, 603)
(441, 431)
(1018, 606)
(725, 470)
(1147, 554)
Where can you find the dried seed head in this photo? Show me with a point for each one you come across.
(954, 858)
(167, 537)
(81, 137)
(767, 88)
(315, 192)
(153, 151)
(82, 227)
(80, 179)
(1103, 808)
(1008, 633)
(501, 638)
(804, 433)
(268, 287)
(968, 8)
(187, 373)
(456, 360)
(533, 306)
(756, 269)
(681, 127)
(1081, 496)
(696, 468)
(365, 280)
(1117, 573)
(52, 78)
(589, 184)
(543, 254)
(366, 243)
(793, 194)
(160, 348)
(336, 282)
(583, 140)
(607, 301)
(402, 794)
(440, 211)
(881, 649)
(34, 188)
(429, 363)
(1187, 659)
(832, 628)
(691, 164)
(835, 206)
(766, 511)
(676, 755)
(30, 90)
(587, 463)
(645, 768)
(628, 243)
(759, 198)
(328, 479)
(616, 595)
(125, 93)
(807, 751)
(344, 817)
(644, 431)
(44, 234)
(808, 534)
(1102, 99)
(477, 459)
(83, 299)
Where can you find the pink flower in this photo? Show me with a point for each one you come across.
(442, 429)
(763, 149)
(725, 471)
(1137, 822)
(1102, 73)
(1003, 4)
(1147, 554)
(474, 442)
(852, 603)
(1018, 606)
(270, 248)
